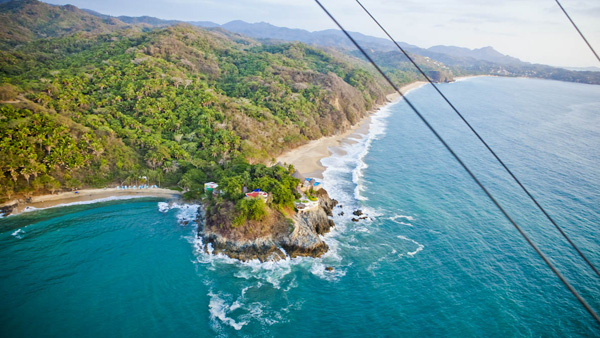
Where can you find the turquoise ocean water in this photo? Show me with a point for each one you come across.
(435, 259)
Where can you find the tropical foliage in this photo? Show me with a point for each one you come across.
(179, 105)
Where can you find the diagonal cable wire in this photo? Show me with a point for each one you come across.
(469, 172)
(577, 28)
(573, 245)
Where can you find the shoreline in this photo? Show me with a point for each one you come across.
(306, 159)
(466, 77)
(84, 196)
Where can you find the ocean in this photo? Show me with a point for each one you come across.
(433, 259)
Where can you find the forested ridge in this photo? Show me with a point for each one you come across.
(179, 105)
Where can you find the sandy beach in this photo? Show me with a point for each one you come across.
(460, 78)
(86, 195)
(307, 158)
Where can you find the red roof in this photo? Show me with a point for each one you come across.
(255, 194)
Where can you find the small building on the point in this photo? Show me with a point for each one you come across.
(258, 194)
(311, 183)
(210, 186)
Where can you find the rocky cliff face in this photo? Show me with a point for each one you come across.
(298, 236)
(440, 76)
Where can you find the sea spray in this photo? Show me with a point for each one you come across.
(419, 248)
(186, 212)
(219, 309)
(276, 275)
(344, 176)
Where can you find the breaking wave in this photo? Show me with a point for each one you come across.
(186, 212)
(19, 233)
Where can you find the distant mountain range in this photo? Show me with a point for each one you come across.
(330, 38)
(93, 100)
(447, 59)
(18, 25)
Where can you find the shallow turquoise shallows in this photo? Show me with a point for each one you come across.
(436, 259)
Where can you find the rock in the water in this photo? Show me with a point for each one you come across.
(298, 236)
(363, 217)
(7, 209)
(354, 219)
(326, 203)
(357, 212)
(341, 214)
(329, 268)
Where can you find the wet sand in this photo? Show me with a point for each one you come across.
(307, 158)
(86, 195)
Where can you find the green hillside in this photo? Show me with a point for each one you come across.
(27, 20)
(178, 105)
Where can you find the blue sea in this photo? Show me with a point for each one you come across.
(434, 259)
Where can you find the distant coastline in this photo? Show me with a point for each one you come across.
(306, 159)
(84, 196)
(466, 77)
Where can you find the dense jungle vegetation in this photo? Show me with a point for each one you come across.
(179, 105)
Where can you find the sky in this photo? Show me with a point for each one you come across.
(531, 30)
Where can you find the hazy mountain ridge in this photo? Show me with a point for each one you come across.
(330, 38)
(455, 60)
(26, 20)
(485, 53)
(88, 100)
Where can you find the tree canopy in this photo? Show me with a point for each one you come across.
(178, 105)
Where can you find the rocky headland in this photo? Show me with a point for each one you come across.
(291, 234)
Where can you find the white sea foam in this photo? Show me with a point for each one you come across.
(244, 290)
(272, 272)
(237, 312)
(236, 305)
(340, 167)
(420, 246)
(186, 212)
(19, 233)
(30, 209)
(105, 199)
(320, 270)
(362, 229)
(219, 309)
(399, 219)
(163, 206)
(377, 129)
(408, 218)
